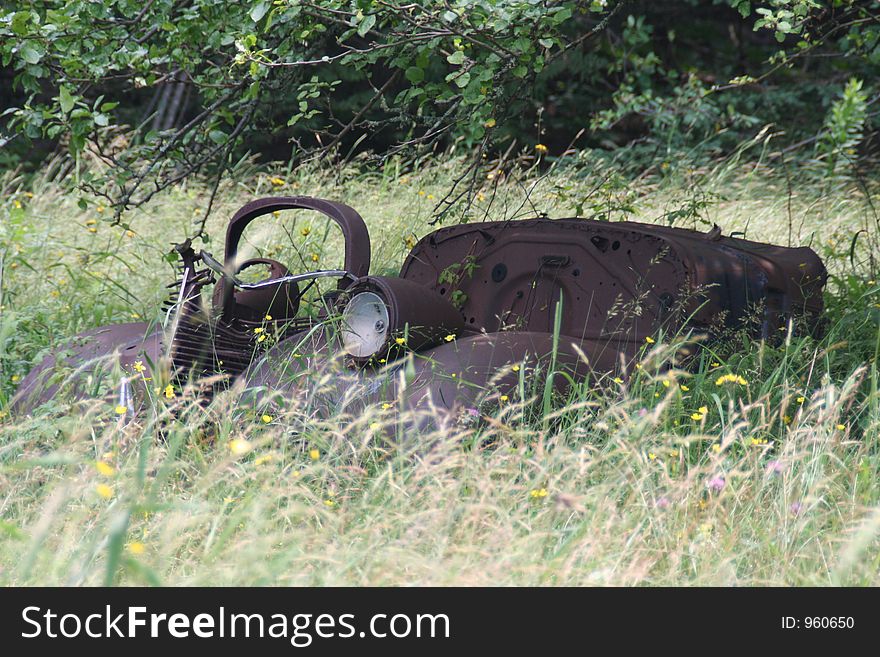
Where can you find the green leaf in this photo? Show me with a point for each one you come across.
(218, 136)
(562, 15)
(65, 99)
(259, 10)
(367, 24)
(20, 22)
(456, 58)
(415, 74)
(30, 52)
(463, 79)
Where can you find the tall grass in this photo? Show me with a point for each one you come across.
(769, 476)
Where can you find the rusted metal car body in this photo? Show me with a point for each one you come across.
(476, 310)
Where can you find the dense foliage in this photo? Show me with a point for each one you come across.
(157, 90)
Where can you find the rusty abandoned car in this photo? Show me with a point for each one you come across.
(474, 307)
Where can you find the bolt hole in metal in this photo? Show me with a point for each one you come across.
(365, 325)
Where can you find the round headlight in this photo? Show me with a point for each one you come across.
(364, 325)
(386, 315)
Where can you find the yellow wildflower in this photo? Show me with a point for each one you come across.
(841, 427)
(652, 456)
(314, 454)
(450, 337)
(135, 547)
(386, 406)
(240, 446)
(266, 418)
(329, 503)
(259, 330)
(541, 148)
(139, 366)
(684, 387)
(104, 491)
(701, 413)
(490, 123)
(305, 231)
(105, 468)
(617, 379)
(315, 257)
(400, 341)
(515, 368)
(504, 398)
(169, 391)
(538, 493)
(801, 400)
(261, 460)
(649, 339)
(730, 378)
(275, 180)
(121, 410)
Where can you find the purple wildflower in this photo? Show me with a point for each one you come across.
(716, 483)
(775, 467)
